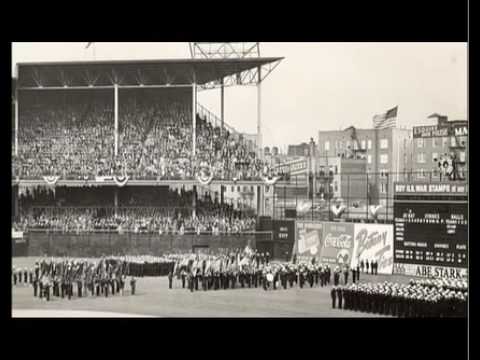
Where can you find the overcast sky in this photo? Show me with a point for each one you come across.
(318, 86)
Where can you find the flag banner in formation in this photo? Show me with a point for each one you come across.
(51, 180)
(309, 241)
(387, 120)
(374, 242)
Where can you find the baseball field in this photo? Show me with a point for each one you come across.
(154, 298)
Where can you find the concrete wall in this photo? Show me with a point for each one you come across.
(96, 244)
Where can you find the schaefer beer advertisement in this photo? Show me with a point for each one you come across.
(308, 243)
(337, 244)
(374, 242)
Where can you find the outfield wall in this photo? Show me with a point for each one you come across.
(96, 244)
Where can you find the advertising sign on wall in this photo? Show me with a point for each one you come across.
(374, 242)
(429, 271)
(308, 242)
(337, 244)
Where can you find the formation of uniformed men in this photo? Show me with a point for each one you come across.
(401, 300)
(368, 266)
(246, 269)
(60, 276)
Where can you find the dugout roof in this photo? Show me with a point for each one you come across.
(134, 73)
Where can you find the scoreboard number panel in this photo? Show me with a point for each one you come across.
(431, 233)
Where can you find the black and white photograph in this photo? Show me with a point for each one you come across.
(239, 180)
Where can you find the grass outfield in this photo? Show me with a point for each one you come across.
(153, 298)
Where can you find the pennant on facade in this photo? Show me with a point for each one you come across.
(374, 209)
(337, 210)
(121, 180)
(304, 206)
(270, 181)
(51, 180)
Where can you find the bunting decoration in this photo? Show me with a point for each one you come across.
(121, 180)
(205, 176)
(51, 180)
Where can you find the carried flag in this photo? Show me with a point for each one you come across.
(387, 120)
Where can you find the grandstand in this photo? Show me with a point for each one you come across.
(124, 146)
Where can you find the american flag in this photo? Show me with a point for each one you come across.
(387, 120)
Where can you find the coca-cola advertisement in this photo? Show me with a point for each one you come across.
(374, 242)
(337, 244)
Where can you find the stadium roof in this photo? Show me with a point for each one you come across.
(135, 73)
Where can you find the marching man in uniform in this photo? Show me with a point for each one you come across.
(333, 294)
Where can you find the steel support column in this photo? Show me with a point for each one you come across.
(259, 113)
(115, 200)
(222, 106)
(115, 89)
(16, 122)
(194, 118)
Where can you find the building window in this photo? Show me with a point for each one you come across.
(369, 159)
(421, 173)
(420, 143)
(369, 144)
(336, 186)
(238, 188)
(421, 158)
(349, 144)
(384, 159)
(462, 140)
(384, 144)
(462, 156)
(434, 157)
(251, 189)
(233, 189)
(435, 142)
(327, 145)
(444, 142)
(453, 141)
(383, 188)
(383, 173)
(363, 144)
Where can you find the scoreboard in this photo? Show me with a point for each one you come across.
(431, 234)
(430, 228)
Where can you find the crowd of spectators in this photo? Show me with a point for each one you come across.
(137, 220)
(74, 139)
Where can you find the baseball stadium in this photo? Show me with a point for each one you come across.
(122, 204)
